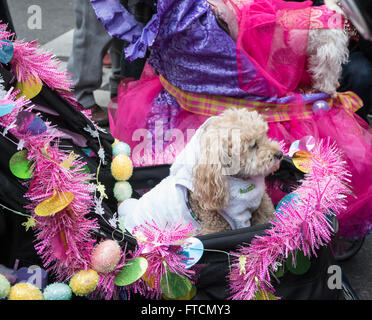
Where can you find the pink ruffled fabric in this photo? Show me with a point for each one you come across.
(273, 34)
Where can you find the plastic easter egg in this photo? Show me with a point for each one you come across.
(264, 295)
(122, 190)
(295, 146)
(175, 286)
(57, 202)
(121, 167)
(307, 143)
(25, 291)
(297, 263)
(29, 89)
(302, 160)
(6, 51)
(105, 256)
(57, 291)
(29, 123)
(4, 287)
(121, 148)
(149, 279)
(20, 166)
(131, 272)
(292, 198)
(320, 107)
(190, 295)
(6, 108)
(84, 282)
(193, 250)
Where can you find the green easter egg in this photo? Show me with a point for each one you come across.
(175, 286)
(303, 263)
(20, 166)
(131, 272)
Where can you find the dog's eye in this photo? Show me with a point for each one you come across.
(255, 146)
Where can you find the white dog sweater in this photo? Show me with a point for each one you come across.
(167, 202)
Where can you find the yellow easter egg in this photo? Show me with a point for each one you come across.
(57, 202)
(84, 282)
(29, 89)
(121, 167)
(303, 160)
(116, 141)
(25, 291)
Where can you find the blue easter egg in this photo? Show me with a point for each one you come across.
(121, 148)
(37, 126)
(28, 123)
(320, 107)
(57, 291)
(292, 198)
(6, 51)
(6, 109)
(193, 250)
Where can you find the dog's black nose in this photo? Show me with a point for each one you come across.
(278, 155)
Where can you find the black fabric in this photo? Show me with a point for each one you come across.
(143, 10)
(132, 69)
(16, 243)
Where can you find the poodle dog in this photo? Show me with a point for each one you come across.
(217, 182)
(229, 175)
(327, 49)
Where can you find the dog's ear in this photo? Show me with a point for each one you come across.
(211, 188)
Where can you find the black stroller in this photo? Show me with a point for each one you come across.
(212, 283)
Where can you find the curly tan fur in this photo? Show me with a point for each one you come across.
(233, 144)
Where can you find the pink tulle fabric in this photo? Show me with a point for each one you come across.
(277, 51)
(131, 112)
(129, 122)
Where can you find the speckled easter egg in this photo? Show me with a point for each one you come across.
(121, 167)
(4, 287)
(57, 291)
(121, 148)
(105, 256)
(84, 282)
(122, 190)
(25, 291)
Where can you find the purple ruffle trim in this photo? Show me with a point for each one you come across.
(121, 24)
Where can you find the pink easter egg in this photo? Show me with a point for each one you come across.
(105, 256)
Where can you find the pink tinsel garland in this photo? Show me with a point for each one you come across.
(29, 62)
(161, 248)
(299, 226)
(64, 240)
